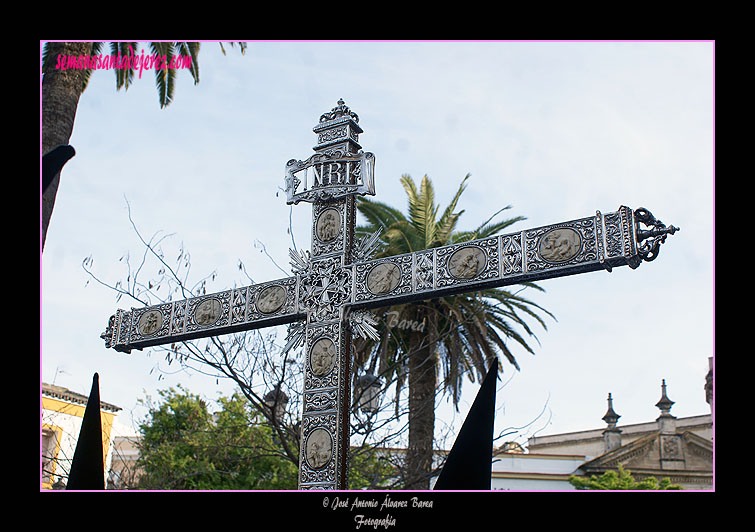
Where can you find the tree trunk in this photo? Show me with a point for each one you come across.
(60, 98)
(422, 383)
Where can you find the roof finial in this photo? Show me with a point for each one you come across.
(611, 417)
(664, 404)
(611, 435)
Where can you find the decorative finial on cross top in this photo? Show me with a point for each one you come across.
(339, 111)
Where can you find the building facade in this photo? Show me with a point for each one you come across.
(680, 449)
(62, 412)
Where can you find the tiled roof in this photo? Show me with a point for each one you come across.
(64, 394)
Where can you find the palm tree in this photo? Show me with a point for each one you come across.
(62, 88)
(463, 334)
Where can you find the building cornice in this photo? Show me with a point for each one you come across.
(64, 394)
(635, 429)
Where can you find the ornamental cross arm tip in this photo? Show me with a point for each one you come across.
(650, 239)
(107, 334)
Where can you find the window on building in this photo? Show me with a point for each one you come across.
(49, 454)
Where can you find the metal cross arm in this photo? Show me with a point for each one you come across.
(603, 241)
(242, 309)
(327, 299)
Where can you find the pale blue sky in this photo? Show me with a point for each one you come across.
(558, 130)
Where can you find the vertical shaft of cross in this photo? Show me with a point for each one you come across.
(324, 445)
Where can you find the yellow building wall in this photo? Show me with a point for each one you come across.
(76, 410)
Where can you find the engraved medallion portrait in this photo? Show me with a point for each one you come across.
(383, 278)
(466, 262)
(559, 245)
(271, 299)
(207, 312)
(328, 225)
(322, 357)
(318, 448)
(150, 322)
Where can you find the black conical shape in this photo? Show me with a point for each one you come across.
(53, 161)
(468, 466)
(88, 467)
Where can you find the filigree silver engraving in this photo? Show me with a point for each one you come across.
(239, 305)
(328, 238)
(109, 332)
(511, 254)
(329, 379)
(325, 289)
(469, 262)
(587, 251)
(207, 311)
(613, 234)
(321, 400)
(149, 322)
(318, 449)
(424, 271)
(381, 278)
(269, 300)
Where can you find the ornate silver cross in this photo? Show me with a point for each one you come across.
(333, 287)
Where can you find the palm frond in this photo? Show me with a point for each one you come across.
(449, 218)
(402, 237)
(491, 229)
(422, 210)
(164, 77)
(429, 212)
(124, 76)
(191, 49)
(242, 47)
(378, 214)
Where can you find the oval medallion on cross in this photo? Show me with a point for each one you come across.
(559, 245)
(150, 322)
(271, 299)
(207, 312)
(383, 278)
(318, 448)
(467, 262)
(328, 225)
(322, 357)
